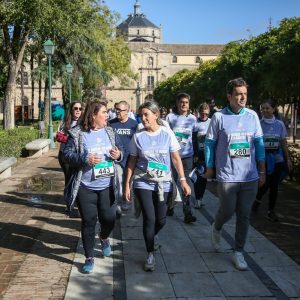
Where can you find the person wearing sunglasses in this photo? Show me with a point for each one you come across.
(72, 118)
(201, 127)
(125, 127)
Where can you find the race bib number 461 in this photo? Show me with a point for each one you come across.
(239, 150)
(104, 169)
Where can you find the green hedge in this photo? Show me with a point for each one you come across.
(13, 141)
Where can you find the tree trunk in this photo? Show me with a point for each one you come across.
(9, 98)
(22, 94)
(32, 89)
(40, 100)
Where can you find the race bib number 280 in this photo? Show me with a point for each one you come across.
(239, 150)
(104, 169)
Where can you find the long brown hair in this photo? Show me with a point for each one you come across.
(68, 117)
(91, 109)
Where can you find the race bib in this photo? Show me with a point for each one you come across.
(104, 169)
(156, 169)
(182, 138)
(271, 143)
(239, 150)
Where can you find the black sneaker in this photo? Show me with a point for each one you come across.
(189, 218)
(272, 216)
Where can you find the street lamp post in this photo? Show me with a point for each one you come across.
(81, 85)
(69, 68)
(138, 94)
(49, 50)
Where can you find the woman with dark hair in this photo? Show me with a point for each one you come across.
(149, 166)
(72, 118)
(277, 157)
(92, 149)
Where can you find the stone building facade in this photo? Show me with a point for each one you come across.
(153, 61)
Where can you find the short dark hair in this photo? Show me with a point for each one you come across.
(233, 83)
(183, 95)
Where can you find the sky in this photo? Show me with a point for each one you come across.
(210, 22)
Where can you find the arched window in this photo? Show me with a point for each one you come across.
(150, 62)
(174, 60)
(198, 60)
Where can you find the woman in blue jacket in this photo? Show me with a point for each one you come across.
(92, 149)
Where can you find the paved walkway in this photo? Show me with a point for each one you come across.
(38, 258)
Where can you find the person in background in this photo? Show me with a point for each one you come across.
(212, 108)
(182, 122)
(277, 157)
(163, 113)
(72, 118)
(125, 127)
(149, 165)
(234, 146)
(93, 149)
(199, 159)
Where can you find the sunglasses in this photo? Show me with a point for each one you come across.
(119, 110)
(77, 108)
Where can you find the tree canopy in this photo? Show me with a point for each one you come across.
(270, 63)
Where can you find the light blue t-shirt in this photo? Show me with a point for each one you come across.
(274, 132)
(183, 127)
(153, 151)
(235, 150)
(97, 177)
(201, 129)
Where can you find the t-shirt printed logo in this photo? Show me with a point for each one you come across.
(123, 131)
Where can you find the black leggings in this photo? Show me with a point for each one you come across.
(65, 167)
(154, 214)
(272, 182)
(200, 186)
(92, 205)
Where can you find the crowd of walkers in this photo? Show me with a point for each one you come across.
(113, 161)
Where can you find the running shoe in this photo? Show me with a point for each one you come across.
(215, 237)
(106, 249)
(239, 261)
(272, 216)
(189, 218)
(150, 263)
(88, 266)
(198, 203)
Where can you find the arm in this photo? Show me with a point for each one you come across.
(78, 160)
(179, 168)
(260, 157)
(209, 147)
(129, 172)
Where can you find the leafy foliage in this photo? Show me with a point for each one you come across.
(270, 63)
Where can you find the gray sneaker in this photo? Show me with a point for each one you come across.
(150, 263)
(215, 238)
(198, 203)
(239, 261)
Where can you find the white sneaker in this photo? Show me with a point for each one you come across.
(215, 237)
(156, 243)
(150, 262)
(198, 203)
(239, 261)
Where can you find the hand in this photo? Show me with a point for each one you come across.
(127, 193)
(262, 179)
(185, 188)
(115, 153)
(209, 173)
(94, 159)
